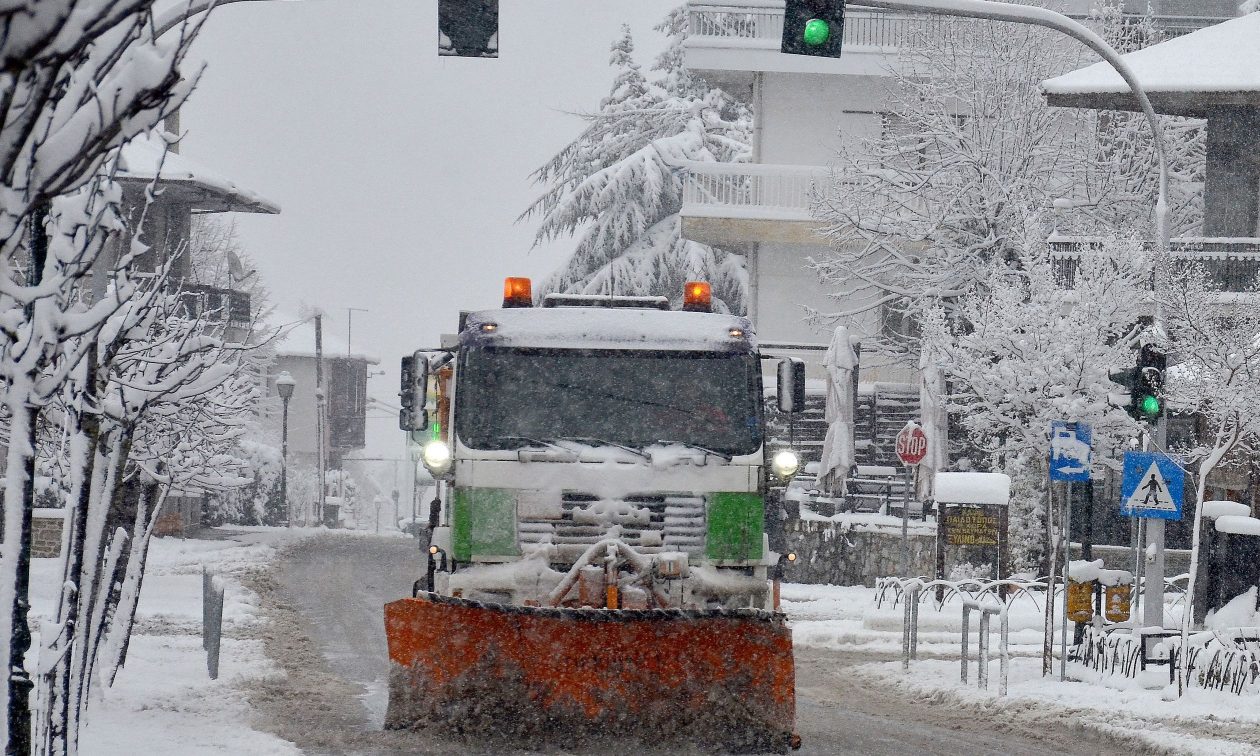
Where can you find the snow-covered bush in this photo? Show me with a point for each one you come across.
(258, 502)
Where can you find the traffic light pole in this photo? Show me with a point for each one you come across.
(1153, 593)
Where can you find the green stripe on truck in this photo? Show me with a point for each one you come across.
(483, 523)
(736, 522)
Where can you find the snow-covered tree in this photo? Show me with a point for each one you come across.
(157, 405)
(924, 210)
(1022, 349)
(80, 77)
(1213, 342)
(617, 186)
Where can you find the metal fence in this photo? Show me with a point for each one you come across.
(987, 610)
(867, 27)
(1232, 264)
(760, 20)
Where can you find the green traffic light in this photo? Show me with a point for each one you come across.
(1150, 405)
(817, 31)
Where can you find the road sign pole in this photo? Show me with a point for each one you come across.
(911, 447)
(1067, 569)
(1153, 608)
(905, 523)
(1047, 648)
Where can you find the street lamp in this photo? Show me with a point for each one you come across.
(284, 387)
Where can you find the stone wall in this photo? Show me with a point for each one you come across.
(840, 554)
(46, 525)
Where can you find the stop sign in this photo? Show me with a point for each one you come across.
(911, 444)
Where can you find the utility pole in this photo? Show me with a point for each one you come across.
(320, 431)
(350, 311)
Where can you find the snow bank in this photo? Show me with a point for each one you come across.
(1240, 611)
(1201, 722)
(163, 700)
(1238, 525)
(973, 488)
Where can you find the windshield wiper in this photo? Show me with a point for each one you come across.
(697, 447)
(541, 442)
(606, 442)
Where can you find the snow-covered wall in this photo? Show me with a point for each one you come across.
(801, 116)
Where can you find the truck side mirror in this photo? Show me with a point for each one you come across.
(413, 392)
(791, 385)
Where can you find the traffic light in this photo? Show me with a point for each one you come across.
(1148, 397)
(413, 392)
(813, 27)
(468, 28)
(1144, 384)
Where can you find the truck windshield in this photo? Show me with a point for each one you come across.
(507, 398)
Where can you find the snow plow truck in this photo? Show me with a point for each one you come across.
(600, 567)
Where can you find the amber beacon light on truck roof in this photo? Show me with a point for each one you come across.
(518, 292)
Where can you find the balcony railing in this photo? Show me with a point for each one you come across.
(751, 190)
(1232, 263)
(216, 305)
(760, 23)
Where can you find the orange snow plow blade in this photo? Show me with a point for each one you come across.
(719, 679)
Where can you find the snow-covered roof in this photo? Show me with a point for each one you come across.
(609, 328)
(297, 339)
(1216, 65)
(201, 187)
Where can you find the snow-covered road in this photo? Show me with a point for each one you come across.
(326, 602)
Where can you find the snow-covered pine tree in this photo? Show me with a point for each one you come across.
(617, 185)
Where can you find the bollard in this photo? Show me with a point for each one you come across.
(914, 621)
(982, 677)
(966, 632)
(910, 623)
(211, 620)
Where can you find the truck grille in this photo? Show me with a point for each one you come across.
(651, 523)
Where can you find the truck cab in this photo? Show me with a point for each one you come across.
(596, 442)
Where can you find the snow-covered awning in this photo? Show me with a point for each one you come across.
(186, 181)
(1214, 66)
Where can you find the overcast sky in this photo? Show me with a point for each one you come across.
(400, 174)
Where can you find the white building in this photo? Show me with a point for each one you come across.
(800, 105)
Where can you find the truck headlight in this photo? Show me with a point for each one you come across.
(785, 464)
(436, 456)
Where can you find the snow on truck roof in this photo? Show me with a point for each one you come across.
(609, 328)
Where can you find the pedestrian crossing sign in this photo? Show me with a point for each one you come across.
(1152, 486)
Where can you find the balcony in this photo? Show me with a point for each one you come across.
(745, 35)
(216, 306)
(1232, 263)
(734, 203)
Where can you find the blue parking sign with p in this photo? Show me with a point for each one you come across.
(1070, 451)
